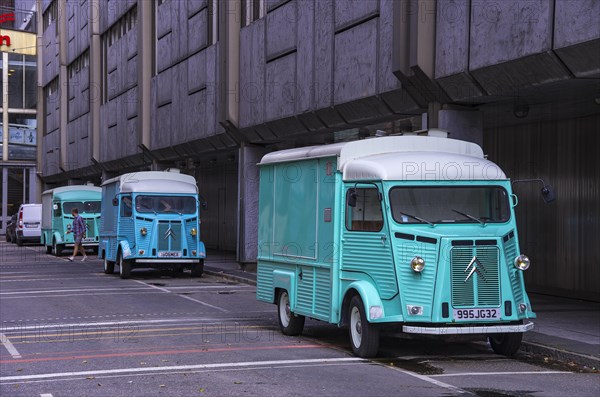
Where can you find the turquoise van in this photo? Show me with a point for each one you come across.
(408, 233)
(57, 219)
(151, 219)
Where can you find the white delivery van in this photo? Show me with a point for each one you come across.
(29, 224)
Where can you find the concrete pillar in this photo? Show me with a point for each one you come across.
(5, 106)
(248, 178)
(145, 70)
(34, 183)
(4, 191)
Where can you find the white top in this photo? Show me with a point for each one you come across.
(400, 158)
(155, 182)
(70, 188)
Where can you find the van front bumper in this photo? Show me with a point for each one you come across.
(174, 260)
(468, 330)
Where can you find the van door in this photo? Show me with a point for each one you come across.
(366, 245)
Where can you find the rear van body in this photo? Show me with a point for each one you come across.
(29, 224)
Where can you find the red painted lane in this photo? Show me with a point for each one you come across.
(162, 352)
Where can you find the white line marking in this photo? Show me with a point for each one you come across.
(82, 294)
(103, 323)
(428, 379)
(183, 296)
(9, 346)
(502, 373)
(70, 290)
(181, 367)
(46, 395)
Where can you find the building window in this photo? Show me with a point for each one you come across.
(252, 10)
(117, 31)
(50, 16)
(50, 101)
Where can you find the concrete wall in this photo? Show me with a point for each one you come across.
(500, 49)
(308, 66)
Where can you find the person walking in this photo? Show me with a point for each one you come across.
(78, 231)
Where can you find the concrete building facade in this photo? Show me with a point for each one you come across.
(209, 86)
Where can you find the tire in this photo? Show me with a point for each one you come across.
(289, 323)
(56, 249)
(124, 266)
(507, 344)
(19, 242)
(109, 266)
(364, 336)
(198, 269)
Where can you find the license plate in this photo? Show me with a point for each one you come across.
(30, 225)
(476, 314)
(88, 240)
(169, 254)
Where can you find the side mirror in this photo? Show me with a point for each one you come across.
(352, 198)
(115, 202)
(548, 193)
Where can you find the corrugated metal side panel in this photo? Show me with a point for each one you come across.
(417, 288)
(560, 238)
(364, 252)
(264, 282)
(304, 297)
(322, 292)
(510, 253)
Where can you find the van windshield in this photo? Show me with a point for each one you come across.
(166, 204)
(449, 204)
(89, 207)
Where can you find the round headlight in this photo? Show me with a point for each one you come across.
(417, 264)
(193, 232)
(143, 231)
(522, 262)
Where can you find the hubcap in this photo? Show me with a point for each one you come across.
(355, 327)
(285, 312)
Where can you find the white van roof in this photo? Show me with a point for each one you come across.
(155, 182)
(400, 158)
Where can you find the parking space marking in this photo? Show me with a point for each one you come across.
(46, 395)
(166, 369)
(183, 296)
(56, 291)
(428, 379)
(9, 346)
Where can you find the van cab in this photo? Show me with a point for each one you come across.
(28, 226)
(57, 219)
(151, 219)
(409, 233)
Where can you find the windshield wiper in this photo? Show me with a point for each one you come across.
(416, 218)
(471, 217)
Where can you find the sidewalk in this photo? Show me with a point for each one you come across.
(565, 330)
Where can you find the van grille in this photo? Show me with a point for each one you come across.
(483, 287)
(169, 241)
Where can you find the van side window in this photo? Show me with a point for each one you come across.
(366, 216)
(126, 210)
(57, 209)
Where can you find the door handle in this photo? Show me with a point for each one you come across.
(383, 239)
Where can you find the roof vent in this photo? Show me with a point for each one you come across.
(437, 133)
(173, 170)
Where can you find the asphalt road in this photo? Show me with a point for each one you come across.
(67, 329)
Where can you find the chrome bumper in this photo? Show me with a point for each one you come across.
(172, 261)
(485, 329)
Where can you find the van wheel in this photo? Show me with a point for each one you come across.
(109, 266)
(48, 249)
(364, 336)
(124, 266)
(507, 344)
(289, 323)
(198, 269)
(56, 249)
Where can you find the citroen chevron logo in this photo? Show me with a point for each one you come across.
(169, 233)
(476, 267)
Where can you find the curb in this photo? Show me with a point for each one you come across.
(561, 355)
(230, 277)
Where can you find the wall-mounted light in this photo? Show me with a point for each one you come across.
(521, 109)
